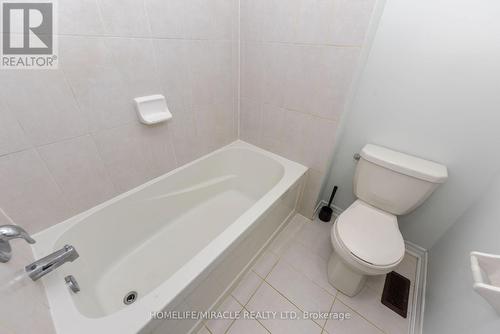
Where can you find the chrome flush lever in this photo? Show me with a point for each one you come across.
(9, 232)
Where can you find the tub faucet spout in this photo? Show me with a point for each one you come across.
(52, 261)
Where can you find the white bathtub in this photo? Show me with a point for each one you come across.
(179, 241)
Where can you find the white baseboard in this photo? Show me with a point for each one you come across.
(417, 316)
(418, 305)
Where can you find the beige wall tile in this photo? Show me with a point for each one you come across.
(43, 104)
(79, 171)
(12, 137)
(299, 56)
(124, 17)
(29, 194)
(79, 17)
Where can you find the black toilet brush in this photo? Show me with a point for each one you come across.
(325, 214)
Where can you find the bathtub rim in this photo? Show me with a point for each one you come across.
(133, 318)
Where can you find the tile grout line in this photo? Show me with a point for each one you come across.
(263, 41)
(269, 331)
(206, 327)
(65, 139)
(362, 316)
(293, 239)
(335, 297)
(262, 280)
(315, 253)
(286, 108)
(323, 330)
(299, 308)
(239, 72)
(299, 272)
(233, 320)
(242, 41)
(64, 199)
(155, 56)
(291, 265)
(251, 296)
(205, 322)
(251, 270)
(244, 308)
(265, 280)
(27, 139)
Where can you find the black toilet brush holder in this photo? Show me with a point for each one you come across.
(325, 214)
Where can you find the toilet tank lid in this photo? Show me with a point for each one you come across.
(405, 164)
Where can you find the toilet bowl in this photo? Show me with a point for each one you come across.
(365, 237)
(366, 241)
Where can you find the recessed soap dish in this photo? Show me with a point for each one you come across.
(152, 109)
(486, 275)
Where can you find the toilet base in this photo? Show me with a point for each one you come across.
(343, 278)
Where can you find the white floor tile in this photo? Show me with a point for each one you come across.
(408, 267)
(268, 299)
(316, 237)
(299, 289)
(265, 263)
(219, 326)
(246, 288)
(285, 237)
(355, 324)
(242, 326)
(310, 264)
(295, 273)
(176, 325)
(203, 330)
(376, 282)
(367, 303)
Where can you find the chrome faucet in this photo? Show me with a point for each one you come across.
(52, 261)
(9, 232)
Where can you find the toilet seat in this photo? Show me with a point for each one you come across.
(370, 235)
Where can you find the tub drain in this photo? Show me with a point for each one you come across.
(130, 298)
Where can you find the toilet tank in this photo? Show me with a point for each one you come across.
(395, 182)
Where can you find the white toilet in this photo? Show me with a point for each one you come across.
(366, 237)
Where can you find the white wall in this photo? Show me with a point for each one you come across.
(429, 88)
(451, 306)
